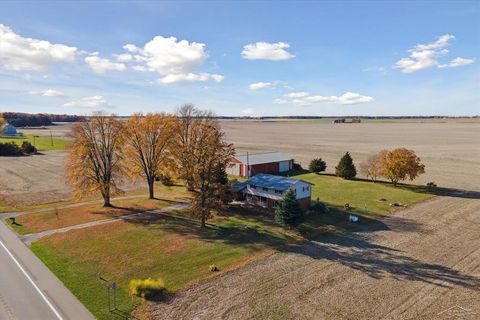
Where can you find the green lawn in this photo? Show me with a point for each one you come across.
(43, 143)
(336, 192)
(177, 250)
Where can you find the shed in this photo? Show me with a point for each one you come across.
(250, 164)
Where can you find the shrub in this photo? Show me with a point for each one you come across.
(28, 148)
(146, 288)
(319, 207)
(345, 168)
(317, 165)
(10, 149)
(297, 166)
(213, 268)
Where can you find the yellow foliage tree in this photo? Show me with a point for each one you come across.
(95, 157)
(373, 166)
(148, 153)
(210, 154)
(401, 163)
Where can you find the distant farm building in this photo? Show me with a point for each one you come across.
(8, 130)
(345, 120)
(250, 164)
(265, 190)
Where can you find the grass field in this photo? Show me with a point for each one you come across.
(176, 250)
(43, 143)
(337, 192)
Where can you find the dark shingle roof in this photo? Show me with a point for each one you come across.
(272, 181)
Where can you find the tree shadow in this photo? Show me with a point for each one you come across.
(378, 261)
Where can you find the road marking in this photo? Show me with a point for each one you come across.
(31, 281)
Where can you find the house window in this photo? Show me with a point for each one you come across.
(274, 204)
(308, 188)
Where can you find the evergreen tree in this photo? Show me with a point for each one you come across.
(288, 211)
(346, 168)
(317, 165)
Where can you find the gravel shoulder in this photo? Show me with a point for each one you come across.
(419, 263)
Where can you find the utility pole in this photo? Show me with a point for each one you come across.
(51, 138)
(248, 167)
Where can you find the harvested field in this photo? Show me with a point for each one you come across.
(449, 148)
(419, 263)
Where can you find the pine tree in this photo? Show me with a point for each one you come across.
(346, 168)
(288, 211)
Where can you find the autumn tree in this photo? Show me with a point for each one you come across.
(209, 153)
(400, 164)
(3, 122)
(189, 120)
(345, 168)
(148, 141)
(373, 167)
(95, 157)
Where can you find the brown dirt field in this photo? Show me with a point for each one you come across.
(416, 264)
(450, 149)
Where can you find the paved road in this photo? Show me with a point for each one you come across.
(28, 290)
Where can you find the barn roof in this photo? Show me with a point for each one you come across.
(264, 157)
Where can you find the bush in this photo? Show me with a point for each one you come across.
(319, 207)
(297, 166)
(317, 165)
(28, 148)
(146, 288)
(10, 149)
(345, 168)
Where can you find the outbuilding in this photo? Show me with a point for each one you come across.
(9, 130)
(250, 164)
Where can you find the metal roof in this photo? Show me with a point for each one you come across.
(264, 157)
(273, 182)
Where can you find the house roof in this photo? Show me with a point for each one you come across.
(270, 181)
(264, 157)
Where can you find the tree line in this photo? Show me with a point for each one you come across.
(188, 145)
(19, 119)
(394, 165)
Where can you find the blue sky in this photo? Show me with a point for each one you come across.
(242, 58)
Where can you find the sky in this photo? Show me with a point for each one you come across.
(249, 58)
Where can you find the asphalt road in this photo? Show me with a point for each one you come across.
(28, 290)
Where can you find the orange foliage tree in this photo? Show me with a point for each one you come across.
(401, 163)
(148, 143)
(95, 157)
(209, 154)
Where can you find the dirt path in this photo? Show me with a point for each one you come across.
(29, 238)
(421, 263)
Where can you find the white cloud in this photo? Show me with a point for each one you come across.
(297, 94)
(267, 51)
(124, 57)
(189, 77)
(457, 62)
(93, 102)
(48, 93)
(248, 111)
(305, 99)
(101, 65)
(20, 53)
(175, 60)
(260, 85)
(424, 56)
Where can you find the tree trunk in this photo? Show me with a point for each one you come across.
(203, 220)
(151, 190)
(190, 186)
(106, 197)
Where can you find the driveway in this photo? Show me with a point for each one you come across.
(420, 263)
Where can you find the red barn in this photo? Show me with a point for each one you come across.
(250, 164)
